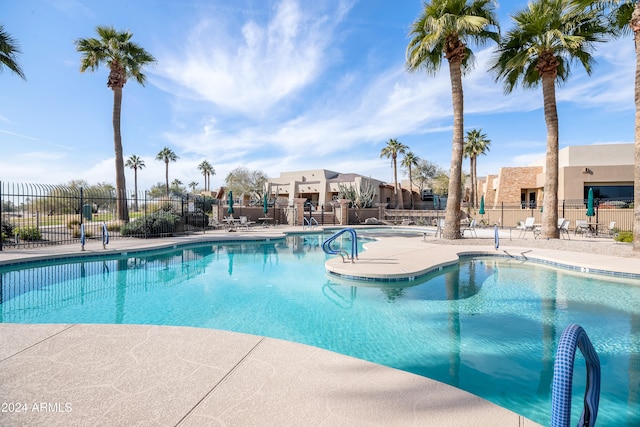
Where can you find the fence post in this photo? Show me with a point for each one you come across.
(145, 214)
(562, 208)
(81, 205)
(502, 214)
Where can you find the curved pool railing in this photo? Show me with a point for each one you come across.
(572, 337)
(326, 245)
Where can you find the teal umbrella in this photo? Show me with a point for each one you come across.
(590, 210)
(481, 211)
(230, 210)
(265, 206)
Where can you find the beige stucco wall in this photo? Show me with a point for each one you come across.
(572, 180)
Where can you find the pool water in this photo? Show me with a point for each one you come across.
(489, 326)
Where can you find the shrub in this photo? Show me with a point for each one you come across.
(624, 237)
(76, 232)
(73, 223)
(6, 229)
(29, 233)
(156, 224)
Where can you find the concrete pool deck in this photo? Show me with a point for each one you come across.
(158, 375)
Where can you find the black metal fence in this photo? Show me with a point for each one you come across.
(39, 215)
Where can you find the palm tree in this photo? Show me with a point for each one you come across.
(549, 35)
(125, 59)
(475, 144)
(207, 170)
(167, 155)
(193, 185)
(391, 150)
(134, 162)
(444, 29)
(409, 161)
(8, 51)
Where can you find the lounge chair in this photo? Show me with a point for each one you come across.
(564, 228)
(214, 223)
(612, 228)
(471, 227)
(527, 225)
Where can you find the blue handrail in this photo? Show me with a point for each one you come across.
(574, 336)
(326, 245)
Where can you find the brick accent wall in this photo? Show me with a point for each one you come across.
(511, 181)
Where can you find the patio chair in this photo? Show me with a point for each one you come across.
(612, 228)
(245, 223)
(471, 227)
(582, 227)
(564, 228)
(214, 223)
(527, 225)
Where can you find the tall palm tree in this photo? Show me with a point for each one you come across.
(624, 18)
(549, 35)
(167, 155)
(409, 161)
(9, 50)
(125, 59)
(475, 144)
(207, 170)
(444, 30)
(193, 185)
(134, 162)
(391, 150)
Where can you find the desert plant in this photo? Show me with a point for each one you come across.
(28, 233)
(624, 237)
(72, 223)
(6, 228)
(154, 225)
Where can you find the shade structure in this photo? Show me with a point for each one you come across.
(265, 206)
(230, 210)
(481, 211)
(590, 210)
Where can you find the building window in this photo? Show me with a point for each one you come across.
(620, 192)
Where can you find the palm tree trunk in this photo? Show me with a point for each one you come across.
(121, 186)
(135, 186)
(166, 175)
(397, 190)
(635, 26)
(410, 188)
(473, 182)
(452, 214)
(550, 203)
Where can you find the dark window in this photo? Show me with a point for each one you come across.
(610, 191)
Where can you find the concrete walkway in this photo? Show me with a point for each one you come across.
(122, 375)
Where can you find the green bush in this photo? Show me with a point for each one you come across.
(6, 229)
(156, 224)
(73, 223)
(624, 236)
(29, 233)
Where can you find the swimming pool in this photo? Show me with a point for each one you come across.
(489, 326)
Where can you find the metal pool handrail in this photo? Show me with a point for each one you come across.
(326, 245)
(572, 337)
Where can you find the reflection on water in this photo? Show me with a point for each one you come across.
(487, 326)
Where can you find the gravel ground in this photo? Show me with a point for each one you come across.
(596, 245)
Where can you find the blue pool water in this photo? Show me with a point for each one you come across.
(489, 326)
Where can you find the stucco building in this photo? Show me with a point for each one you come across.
(607, 168)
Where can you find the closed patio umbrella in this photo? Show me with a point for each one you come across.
(230, 210)
(590, 211)
(481, 211)
(265, 206)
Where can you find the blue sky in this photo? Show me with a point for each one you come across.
(275, 85)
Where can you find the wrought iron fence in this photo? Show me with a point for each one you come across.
(39, 215)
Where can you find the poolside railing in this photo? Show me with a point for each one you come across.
(326, 245)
